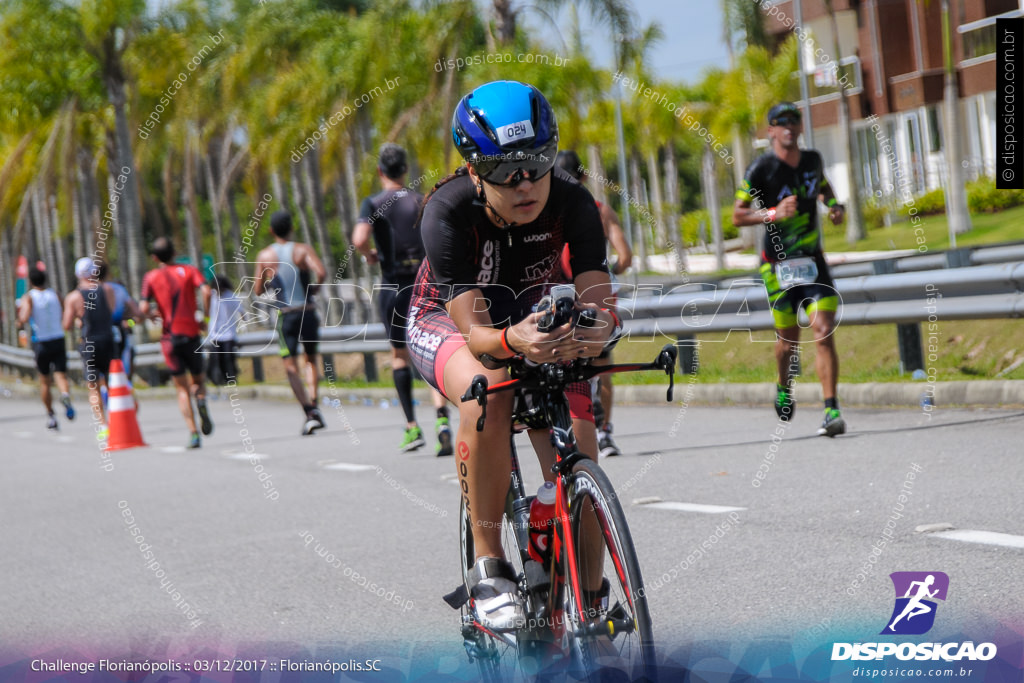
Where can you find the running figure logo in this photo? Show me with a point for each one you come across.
(914, 612)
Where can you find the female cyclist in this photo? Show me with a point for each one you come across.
(493, 234)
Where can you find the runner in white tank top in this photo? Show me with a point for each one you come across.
(41, 309)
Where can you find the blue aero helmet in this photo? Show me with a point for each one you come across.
(506, 130)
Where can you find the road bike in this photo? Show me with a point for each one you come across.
(564, 635)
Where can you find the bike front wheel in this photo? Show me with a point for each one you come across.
(495, 654)
(610, 637)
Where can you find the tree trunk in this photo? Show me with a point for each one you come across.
(60, 271)
(654, 187)
(37, 249)
(596, 169)
(311, 168)
(78, 236)
(300, 202)
(7, 286)
(642, 226)
(362, 275)
(130, 209)
(674, 205)
(89, 192)
(710, 182)
(280, 191)
(170, 206)
(211, 195)
(351, 266)
(188, 198)
(236, 234)
(505, 18)
(749, 233)
(118, 230)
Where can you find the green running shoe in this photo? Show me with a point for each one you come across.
(413, 440)
(834, 423)
(785, 404)
(206, 424)
(444, 438)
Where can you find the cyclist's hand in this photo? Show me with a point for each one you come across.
(786, 208)
(597, 335)
(544, 347)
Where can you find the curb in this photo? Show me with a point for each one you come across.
(981, 393)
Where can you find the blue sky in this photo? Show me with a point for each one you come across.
(692, 43)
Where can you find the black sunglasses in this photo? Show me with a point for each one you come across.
(786, 121)
(509, 170)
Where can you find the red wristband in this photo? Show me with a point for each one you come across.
(505, 345)
(771, 215)
(615, 317)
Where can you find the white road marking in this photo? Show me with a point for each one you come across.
(985, 537)
(349, 467)
(172, 449)
(245, 456)
(24, 435)
(694, 507)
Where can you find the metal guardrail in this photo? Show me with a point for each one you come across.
(961, 293)
(862, 297)
(368, 338)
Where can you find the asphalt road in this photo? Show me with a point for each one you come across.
(240, 543)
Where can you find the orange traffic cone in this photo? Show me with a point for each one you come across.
(124, 428)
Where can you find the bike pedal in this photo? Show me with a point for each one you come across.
(457, 598)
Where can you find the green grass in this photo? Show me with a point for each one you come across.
(986, 228)
(966, 350)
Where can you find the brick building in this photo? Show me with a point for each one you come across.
(890, 55)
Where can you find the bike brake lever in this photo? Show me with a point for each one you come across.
(478, 391)
(483, 417)
(667, 360)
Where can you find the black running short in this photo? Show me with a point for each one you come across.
(96, 352)
(294, 327)
(51, 356)
(182, 354)
(393, 303)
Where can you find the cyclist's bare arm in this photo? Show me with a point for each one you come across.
(470, 315)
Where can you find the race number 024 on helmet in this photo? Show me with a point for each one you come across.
(506, 131)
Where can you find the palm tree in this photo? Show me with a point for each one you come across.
(616, 15)
(107, 29)
(743, 25)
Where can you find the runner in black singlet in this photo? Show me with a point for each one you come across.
(390, 215)
(90, 305)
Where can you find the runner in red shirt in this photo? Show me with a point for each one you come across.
(173, 287)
